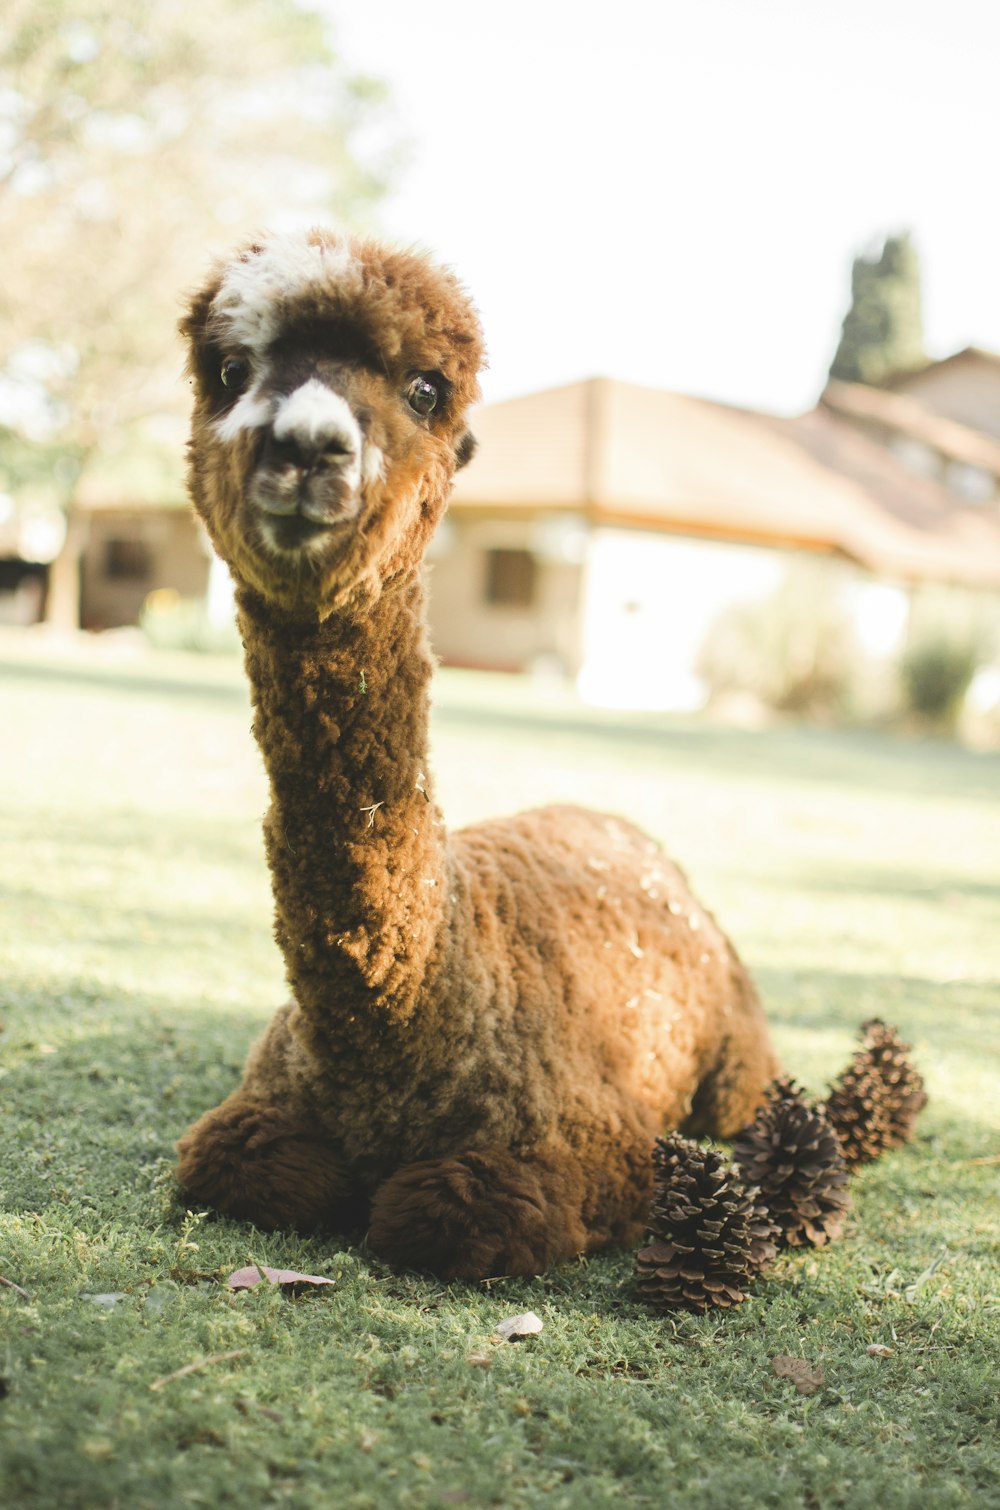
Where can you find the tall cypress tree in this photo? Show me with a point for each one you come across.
(882, 333)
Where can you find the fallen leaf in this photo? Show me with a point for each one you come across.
(803, 1375)
(879, 1350)
(528, 1325)
(245, 1279)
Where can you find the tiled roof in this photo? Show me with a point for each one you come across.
(905, 416)
(631, 455)
(957, 358)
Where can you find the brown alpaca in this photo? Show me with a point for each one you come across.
(488, 1030)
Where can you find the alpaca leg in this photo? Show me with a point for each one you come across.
(264, 1165)
(476, 1215)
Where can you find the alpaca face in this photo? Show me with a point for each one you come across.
(332, 382)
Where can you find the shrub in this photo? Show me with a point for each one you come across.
(935, 674)
(794, 650)
(171, 622)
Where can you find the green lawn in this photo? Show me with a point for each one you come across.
(859, 875)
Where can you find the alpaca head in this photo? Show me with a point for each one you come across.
(332, 381)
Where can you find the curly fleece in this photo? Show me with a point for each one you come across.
(487, 1030)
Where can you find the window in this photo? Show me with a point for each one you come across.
(971, 483)
(510, 578)
(916, 456)
(127, 559)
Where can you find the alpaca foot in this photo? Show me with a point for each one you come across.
(262, 1165)
(479, 1215)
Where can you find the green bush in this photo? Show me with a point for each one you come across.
(935, 674)
(171, 622)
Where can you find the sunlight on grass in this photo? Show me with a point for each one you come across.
(858, 874)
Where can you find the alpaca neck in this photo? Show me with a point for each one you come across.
(354, 841)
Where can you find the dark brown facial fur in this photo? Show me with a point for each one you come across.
(488, 1030)
(328, 510)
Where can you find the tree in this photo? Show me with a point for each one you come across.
(136, 136)
(882, 332)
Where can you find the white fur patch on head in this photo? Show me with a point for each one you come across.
(248, 304)
(372, 464)
(314, 415)
(251, 412)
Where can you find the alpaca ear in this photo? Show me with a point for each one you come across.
(465, 449)
(193, 327)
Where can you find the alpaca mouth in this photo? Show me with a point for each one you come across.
(295, 513)
(298, 532)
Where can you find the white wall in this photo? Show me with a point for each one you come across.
(648, 601)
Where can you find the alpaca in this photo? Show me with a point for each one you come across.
(487, 1030)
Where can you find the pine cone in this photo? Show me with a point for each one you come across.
(708, 1238)
(855, 1109)
(792, 1153)
(905, 1096)
(875, 1103)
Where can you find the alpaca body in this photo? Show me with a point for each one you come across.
(488, 1031)
(575, 1025)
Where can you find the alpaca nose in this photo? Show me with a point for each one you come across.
(304, 453)
(313, 427)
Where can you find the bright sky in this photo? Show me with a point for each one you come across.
(672, 193)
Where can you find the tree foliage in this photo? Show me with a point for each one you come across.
(882, 333)
(135, 137)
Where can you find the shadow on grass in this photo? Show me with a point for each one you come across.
(955, 1015)
(118, 1077)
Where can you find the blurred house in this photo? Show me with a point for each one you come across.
(139, 534)
(964, 387)
(24, 558)
(131, 552)
(941, 422)
(132, 531)
(602, 529)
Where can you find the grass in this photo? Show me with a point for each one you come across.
(858, 874)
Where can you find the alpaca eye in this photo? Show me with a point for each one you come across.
(422, 396)
(235, 373)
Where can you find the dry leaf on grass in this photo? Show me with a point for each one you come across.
(245, 1279)
(528, 1325)
(806, 1378)
(879, 1350)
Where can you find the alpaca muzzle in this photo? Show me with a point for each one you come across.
(308, 470)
